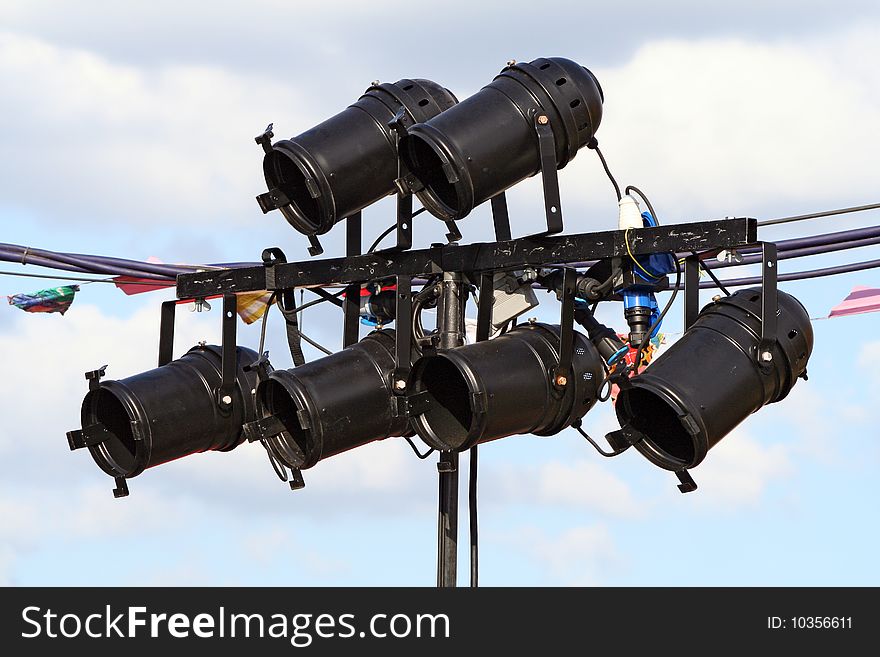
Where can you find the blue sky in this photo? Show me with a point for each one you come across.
(128, 130)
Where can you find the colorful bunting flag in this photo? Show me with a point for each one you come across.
(52, 300)
(252, 305)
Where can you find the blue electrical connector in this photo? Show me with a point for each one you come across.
(639, 303)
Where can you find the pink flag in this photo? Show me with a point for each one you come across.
(861, 300)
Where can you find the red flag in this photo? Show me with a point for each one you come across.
(132, 285)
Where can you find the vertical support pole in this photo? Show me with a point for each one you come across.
(566, 328)
(166, 332)
(691, 290)
(450, 325)
(351, 307)
(403, 334)
(484, 324)
(500, 217)
(399, 125)
(229, 363)
(769, 304)
(549, 176)
(486, 301)
(404, 221)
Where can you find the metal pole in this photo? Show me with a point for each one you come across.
(450, 334)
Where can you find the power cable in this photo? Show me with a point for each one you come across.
(385, 233)
(594, 144)
(647, 201)
(416, 449)
(577, 425)
(472, 517)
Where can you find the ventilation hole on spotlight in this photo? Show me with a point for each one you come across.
(574, 103)
(584, 126)
(408, 87)
(792, 334)
(560, 82)
(544, 66)
(423, 102)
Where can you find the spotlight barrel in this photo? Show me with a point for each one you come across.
(168, 412)
(487, 143)
(504, 386)
(349, 161)
(333, 404)
(704, 385)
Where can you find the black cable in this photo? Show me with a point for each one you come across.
(416, 449)
(276, 466)
(816, 215)
(315, 344)
(390, 229)
(594, 144)
(315, 302)
(472, 516)
(263, 325)
(332, 298)
(711, 274)
(577, 425)
(647, 339)
(644, 198)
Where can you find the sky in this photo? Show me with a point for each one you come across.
(127, 130)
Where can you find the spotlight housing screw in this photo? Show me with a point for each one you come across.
(561, 380)
(400, 384)
(716, 298)
(543, 120)
(226, 399)
(766, 357)
(511, 62)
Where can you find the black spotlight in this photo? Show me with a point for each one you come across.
(501, 387)
(350, 160)
(488, 142)
(709, 381)
(169, 412)
(332, 404)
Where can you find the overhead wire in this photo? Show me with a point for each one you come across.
(800, 275)
(79, 279)
(817, 215)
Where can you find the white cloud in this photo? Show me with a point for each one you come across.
(7, 558)
(869, 358)
(579, 556)
(719, 127)
(739, 469)
(42, 398)
(586, 484)
(101, 139)
(269, 546)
